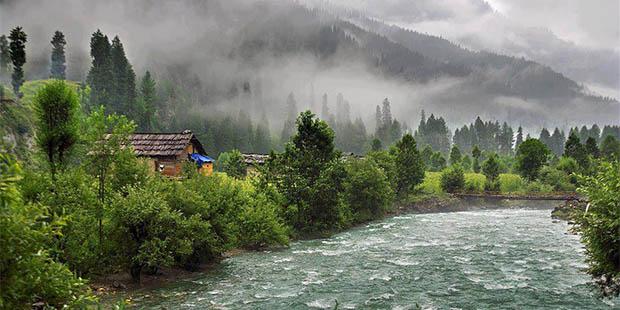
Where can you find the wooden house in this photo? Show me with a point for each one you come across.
(253, 161)
(167, 152)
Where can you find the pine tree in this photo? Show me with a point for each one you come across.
(100, 74)
(592, 147)
(124, 85)
(57, 70)
(324, 108)
(291, 114)
(573, 148)
(475, 154)
(409, 164)
(17, 49)
(519, 139)
(148, 96)
(455, 155)
(262, 137)
(5, 56)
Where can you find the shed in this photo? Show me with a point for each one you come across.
(166, 152)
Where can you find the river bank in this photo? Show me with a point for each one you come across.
(504, 256)
(120, 284)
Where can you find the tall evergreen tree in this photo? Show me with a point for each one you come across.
(455, 155)
(57, 70)
(262, 137)
(519, 139)
(100, 76)
(475, 154)
(148, 97)
(557, 142)
(123, 97)
(291, 114)
(592, 147)
(5, 56)
(17, 49)
(576, 150)
(409, 165)
(324, 108)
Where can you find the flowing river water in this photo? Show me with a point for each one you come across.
(513, 257)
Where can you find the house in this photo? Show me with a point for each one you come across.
(167, 152)
(253, 161)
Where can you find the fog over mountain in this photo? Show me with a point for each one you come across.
(241, 54)
(580, 39)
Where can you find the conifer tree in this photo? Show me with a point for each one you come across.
(576, 150)
(100, 74)
(148, 96)
(455, 155)
(291, 114)
(409, 165)
(324, 108)
(519, 139)
(57, 70)
(475, 154)
(5, 56)
(17, 49)
(262, 137)
(592, 147)
(124, 86)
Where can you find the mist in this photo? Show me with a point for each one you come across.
(203, 46)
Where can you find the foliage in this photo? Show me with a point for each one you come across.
(491, 167)
(232, 163)
(610, 148)
(409, 166)
(573, 148)
(434, 132)
(559, 180)
(455, 155)
(453, 179)
(474, 182)
(29, 274)
(511, 183)
(367, 190)
(56, 107)
(538, 187)
(600, 226)
(310, 175)
(531, 156)
(386, 161)
(431, 184)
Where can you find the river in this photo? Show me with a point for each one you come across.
(514, 257)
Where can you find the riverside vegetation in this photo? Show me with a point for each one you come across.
(82, 206)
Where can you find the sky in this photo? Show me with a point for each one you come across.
(590, 23)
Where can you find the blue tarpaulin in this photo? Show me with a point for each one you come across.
(201, 159)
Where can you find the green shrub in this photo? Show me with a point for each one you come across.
(556, 179)
(453, 179)
(29, 273)
(431, 183)
(260, 224)
(600, 227)
(367, 190)
(537, 187)
(232, 164)
(474, 182)
(511, 183)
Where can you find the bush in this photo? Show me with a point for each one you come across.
(148, 233)
(556, 178)
(232, 163)
(260, 224)
(474, 182)
(492, 186)
(29, 273)
(431, 183)
(600, 227)
(453, 179)
(367, 190)
(511, 183)
(537, 187)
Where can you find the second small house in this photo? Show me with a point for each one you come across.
(167, 152)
